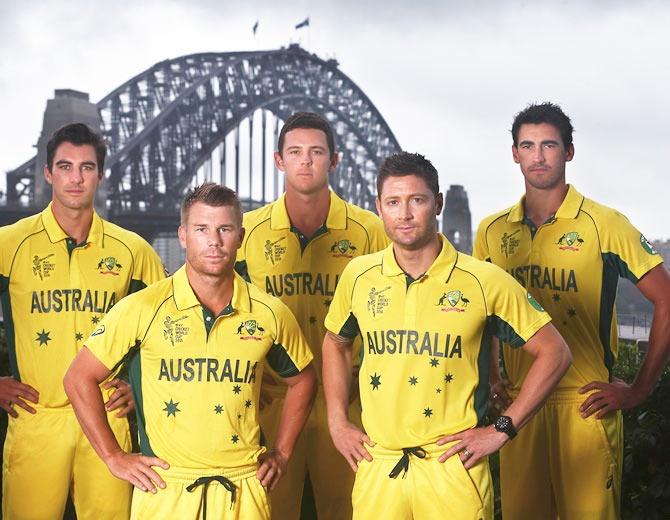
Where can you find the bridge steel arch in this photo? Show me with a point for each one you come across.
(164, 123)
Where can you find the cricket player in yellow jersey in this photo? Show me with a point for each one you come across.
(196, 344)
(569, 251)
(295, 249)
(426, 314)
(61, 271)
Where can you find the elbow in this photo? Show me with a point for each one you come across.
(565, 359)
(69, 383)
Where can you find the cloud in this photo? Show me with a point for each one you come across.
(447, 76)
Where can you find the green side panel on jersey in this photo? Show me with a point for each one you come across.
(135, 376)
(607, 298)
(504, 331)
(6, 301)
(615, 262)
(350, 328)
(483, 367)
(243, 270)
(136, 285)
(281, 362)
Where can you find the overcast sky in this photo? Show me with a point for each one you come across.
(448, 77)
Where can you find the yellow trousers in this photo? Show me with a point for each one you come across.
(331, 477)
(189, 496)
(561, 465)
(427, 490)
(47, 456)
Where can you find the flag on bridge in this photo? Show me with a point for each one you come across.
(304, 23)
(255, 27)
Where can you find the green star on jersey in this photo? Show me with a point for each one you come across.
(375, 381)
(448, 378)
(218, 409)
(434, 362)
(43, 337)
(237, 389)
(247, 403)
(235, 438)
(79, 336)
(427, 412)
(171, 408)
(95, 320)
(413, 380)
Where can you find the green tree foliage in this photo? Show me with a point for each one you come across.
(646, 466)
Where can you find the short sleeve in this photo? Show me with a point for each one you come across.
(148, 268)
(340, 319)
(117, 332)
(289, 354)
(625, 249)
(481, 248)
(514, 315)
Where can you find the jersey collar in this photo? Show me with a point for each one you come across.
(56, 233)
(444, 263)
(569, 208)
(185, 298)
(337, 213)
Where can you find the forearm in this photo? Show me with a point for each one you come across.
(87, 401)
(337, 374)
(297, 405)
(657, 354)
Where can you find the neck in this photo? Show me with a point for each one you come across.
(75, 222)
(539, 205)
(415, 262)
(307, 212)
(214, 292)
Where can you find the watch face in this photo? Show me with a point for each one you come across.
(503, 423)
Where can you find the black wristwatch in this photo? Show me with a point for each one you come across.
(504, 424)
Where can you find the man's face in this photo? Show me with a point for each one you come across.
(74, 176)
(408, 208)
(305, 160)
(541, 155)
(211, 236)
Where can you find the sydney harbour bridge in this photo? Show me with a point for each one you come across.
(214, 116)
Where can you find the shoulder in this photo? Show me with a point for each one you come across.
(264, 302)
(130, 239)
(480, 269)
(361, 216)
(494, 219)
(153, 295)
(362, 264)
(601, 214)
(254, 217)
(12, 235)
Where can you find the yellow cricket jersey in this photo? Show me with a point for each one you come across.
(571, 264)
(304, 273)
(195, 376)
(426, 342)
(54, 292)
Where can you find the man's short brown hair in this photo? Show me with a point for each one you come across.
(211, 194)
(309, 120)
